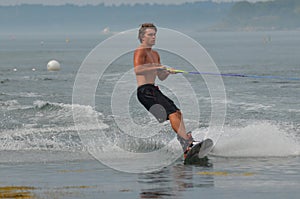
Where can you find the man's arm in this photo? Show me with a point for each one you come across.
(162, 74)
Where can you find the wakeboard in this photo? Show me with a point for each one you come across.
(199, 151)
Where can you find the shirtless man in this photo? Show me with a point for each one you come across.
(147, 67)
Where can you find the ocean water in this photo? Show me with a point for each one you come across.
(43, 155)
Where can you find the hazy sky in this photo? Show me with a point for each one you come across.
(106, 2)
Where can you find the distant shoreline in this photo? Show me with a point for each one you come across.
(199, 16)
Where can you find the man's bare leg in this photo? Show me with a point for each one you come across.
(178, 126)
(185, 139)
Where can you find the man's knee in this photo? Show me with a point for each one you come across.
(178, 113)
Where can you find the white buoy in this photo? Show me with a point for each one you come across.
(106, 30)
(53, 65)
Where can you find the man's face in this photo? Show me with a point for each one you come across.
(149, 37)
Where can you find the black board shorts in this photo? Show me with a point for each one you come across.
(156, 102)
